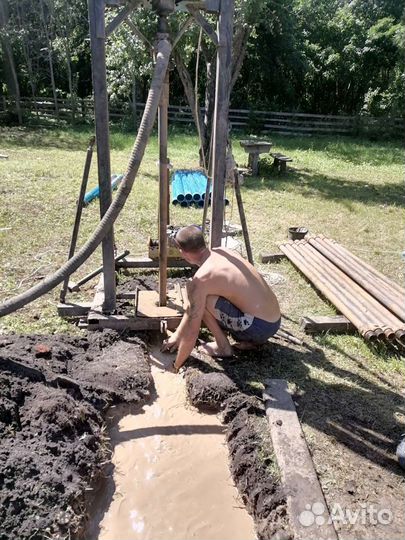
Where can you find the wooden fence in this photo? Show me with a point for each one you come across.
(291, 123)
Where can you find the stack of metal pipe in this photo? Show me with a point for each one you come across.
(374, 304)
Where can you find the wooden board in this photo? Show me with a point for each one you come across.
(148, 304)
(73, 309)
(96, 309)
(147, 315)
(122, 322)
(298, 474)
(338, 324)
(147, 262)
(280, 157)
(271, 257)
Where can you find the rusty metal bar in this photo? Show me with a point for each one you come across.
(75, 287)
(377, 288)
(352, 293)
(364, 306)
(366, 266)
(382, 317)
(334, 276)
(392, 290)
(163, 190)
(330, 290)
(243, 218)
(79, 209)
(371, 303)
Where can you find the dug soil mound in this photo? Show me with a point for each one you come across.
(54, 393)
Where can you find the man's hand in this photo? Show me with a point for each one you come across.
(170, 344)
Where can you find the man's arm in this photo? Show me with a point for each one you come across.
(186, 334)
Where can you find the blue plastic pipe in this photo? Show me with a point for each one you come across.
(95, 192)
(177, 188)
(188, 187)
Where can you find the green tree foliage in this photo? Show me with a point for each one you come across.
(327, 56)
(319, 56)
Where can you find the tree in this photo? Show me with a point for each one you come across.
(318, 56)
(12, 79)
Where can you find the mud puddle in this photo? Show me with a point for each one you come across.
(171, 473)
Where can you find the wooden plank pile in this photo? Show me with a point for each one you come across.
(374, 304)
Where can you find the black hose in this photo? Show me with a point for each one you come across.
(145, 129)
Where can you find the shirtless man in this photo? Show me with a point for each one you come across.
(228, 295)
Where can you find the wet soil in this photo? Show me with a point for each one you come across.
(54, 393)
(155, 492)
(351, 426)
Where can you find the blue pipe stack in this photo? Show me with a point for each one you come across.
(188, 188)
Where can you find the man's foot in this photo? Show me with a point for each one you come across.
(213, 349)
(247, 345)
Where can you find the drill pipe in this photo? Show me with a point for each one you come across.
(329, 289)
(384, 318)
(376, 289)
(365, 266)
(349, 289)
(391, 289)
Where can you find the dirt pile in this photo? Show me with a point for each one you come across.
(54, 391)
(209, 390)
(252, 462)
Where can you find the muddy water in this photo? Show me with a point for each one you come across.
(171, 474)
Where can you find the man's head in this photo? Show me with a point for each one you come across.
(190, 241)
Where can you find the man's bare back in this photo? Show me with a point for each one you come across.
(228, 295)
(227, 274)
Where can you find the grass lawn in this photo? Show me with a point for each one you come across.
(350, 394)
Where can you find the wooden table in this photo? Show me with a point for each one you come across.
(254, 148)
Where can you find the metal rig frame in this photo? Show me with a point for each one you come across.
(101, 311)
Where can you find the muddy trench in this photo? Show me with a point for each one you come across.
(60, 397)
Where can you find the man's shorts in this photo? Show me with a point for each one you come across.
(241, 326)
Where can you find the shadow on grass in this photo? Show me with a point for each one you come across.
(346, 406)
(77, 138)
(64, 139)
(70, 139)
(309, 184)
